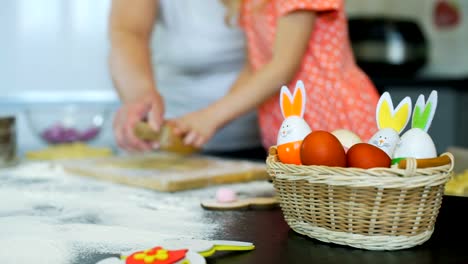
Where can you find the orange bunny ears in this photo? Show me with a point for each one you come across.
(293, 104)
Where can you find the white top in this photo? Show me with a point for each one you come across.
(197, 58)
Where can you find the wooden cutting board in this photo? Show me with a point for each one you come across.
(168, 172)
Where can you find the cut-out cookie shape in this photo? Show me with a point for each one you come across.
(155, 255)
(243, 204)
(181, 251)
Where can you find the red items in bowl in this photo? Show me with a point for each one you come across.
(61, 134)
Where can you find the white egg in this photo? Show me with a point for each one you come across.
(415, 143)
(346, 137)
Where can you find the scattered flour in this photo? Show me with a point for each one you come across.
(49, 216)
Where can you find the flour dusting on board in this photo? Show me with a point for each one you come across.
(169, 172)
(61, 218)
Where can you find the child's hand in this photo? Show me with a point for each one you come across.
(196, 128)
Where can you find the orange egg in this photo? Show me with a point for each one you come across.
(366, 156)
(322, 148)
(290, 152)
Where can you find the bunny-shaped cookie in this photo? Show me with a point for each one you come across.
(390, 121)
(294, 128)
(416, 142)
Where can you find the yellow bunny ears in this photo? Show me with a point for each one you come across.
(293, 104)
(390, 117)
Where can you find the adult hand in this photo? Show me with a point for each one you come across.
(196, 128)
(150, 106)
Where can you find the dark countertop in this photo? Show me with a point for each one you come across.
(78, 220)
(277, 243)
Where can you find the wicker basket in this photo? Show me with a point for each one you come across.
(374, 209)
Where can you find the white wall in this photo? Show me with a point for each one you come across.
(53, 50)
(53, 45)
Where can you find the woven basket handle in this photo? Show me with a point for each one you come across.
(272, 151)
(410, 165)
(442, 160)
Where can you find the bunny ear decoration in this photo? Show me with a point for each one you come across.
(293, 105)
(423, 113)
(389, 117)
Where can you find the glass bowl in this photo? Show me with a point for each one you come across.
(66, 123)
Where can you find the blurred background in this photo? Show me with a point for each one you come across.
(54, 52)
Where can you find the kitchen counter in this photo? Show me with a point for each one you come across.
(50, 216)
(277, 243)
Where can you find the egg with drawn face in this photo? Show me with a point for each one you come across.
(293, 130)
(386, 139)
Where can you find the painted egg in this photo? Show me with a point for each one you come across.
(366, 156)
(347, 138)
(322, 148)
(290, 136)
(289, 153)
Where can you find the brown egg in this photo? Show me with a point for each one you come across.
(366, 156)
(322, 148)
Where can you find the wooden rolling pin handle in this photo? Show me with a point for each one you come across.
(427, 163)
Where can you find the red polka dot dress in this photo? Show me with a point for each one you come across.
(339, 94)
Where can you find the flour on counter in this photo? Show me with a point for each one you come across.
(50, 216)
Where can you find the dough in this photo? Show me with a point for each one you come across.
(167, 139)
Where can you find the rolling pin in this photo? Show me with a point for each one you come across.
(166, 137)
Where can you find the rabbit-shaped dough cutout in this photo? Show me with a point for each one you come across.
(294, 128)
(416, 142)
(390, 121)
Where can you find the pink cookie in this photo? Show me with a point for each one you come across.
(225, 195)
